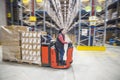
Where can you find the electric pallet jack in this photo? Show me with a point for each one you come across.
(50, 56)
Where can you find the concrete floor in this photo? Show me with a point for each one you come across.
(86, 66)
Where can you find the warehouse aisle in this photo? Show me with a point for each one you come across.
(87, 66)
(97, 65)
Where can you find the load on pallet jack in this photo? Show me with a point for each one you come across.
(50, 56)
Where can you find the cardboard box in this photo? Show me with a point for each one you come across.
(72, 38)
(31, 47)
(109, 35)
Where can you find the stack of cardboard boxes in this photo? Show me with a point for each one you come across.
(21, 45)
(30, 42)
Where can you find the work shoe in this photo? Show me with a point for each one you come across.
(61, 63)
(64, 62)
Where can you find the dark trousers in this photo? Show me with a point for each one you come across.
(62, 51)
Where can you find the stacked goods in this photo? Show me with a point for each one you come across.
(43, 33)
(10, 35)
(110, 14)
(114, 14)
(40, 5)
(11, 53)
(28, 4)
(119, 25)
(109, 35)
(30, 42)
(54, 36)
(72, 38)
(10, 39)
(109, 2)
(21, 45)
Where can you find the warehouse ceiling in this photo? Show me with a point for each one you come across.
(63, 12)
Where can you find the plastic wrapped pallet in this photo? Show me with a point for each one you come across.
(10, 38)
(14, 28)
(10, 35)
(11, 53)
(30, 42)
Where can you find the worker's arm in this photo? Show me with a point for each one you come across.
(61, 39)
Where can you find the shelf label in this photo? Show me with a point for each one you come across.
(32, 18)
(93, 19)
(9, 15)
(92, 23)
(84, 32)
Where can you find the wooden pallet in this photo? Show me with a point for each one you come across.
(21, 62)
(16, 61)
(30, 62)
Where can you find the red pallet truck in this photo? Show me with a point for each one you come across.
(49, 56)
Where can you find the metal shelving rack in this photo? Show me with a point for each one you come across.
(27, 11)
(116, 21)
(19, 13)
(82, 21)
(115, 5)
(96, 35)
(12, 12)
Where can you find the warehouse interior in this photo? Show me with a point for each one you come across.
(92, 26)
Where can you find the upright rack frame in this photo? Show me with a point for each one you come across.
(99, 34)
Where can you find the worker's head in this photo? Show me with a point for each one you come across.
(62, 31)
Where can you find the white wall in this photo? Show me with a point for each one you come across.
(2, 13)
(2, 20)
